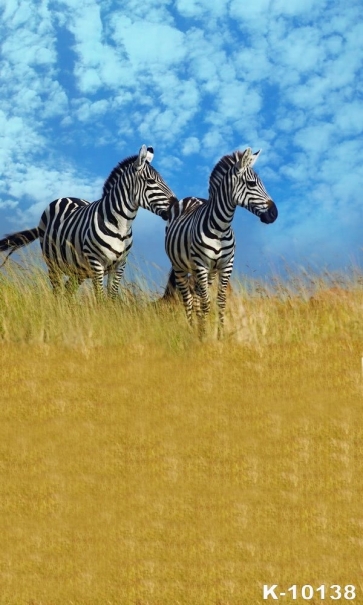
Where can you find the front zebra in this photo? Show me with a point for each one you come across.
(90, 240)
(199, 238)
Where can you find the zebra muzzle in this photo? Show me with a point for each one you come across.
(270, 215)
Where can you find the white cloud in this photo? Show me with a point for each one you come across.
(334, 44)
(310, 95)
(349, 118)
(253, 64)
(89, 111)
(288, 121)
(83, 78)
(17, 13)
(18, 139)
(43, 185)
(28, 85)
(297, 8)
(237, 99)
(28, 49)
(198, 8)
(163, 125)
(176, 103)
(205, 58)
(178, 93)
(251, 11)
(301, 49)
(8, 204)
(191, 145)
(212, 141)
(155, 45)
(88, 79)
(154, 11)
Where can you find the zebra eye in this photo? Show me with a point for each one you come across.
(252, 183)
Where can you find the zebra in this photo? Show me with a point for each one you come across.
(199, 238)
(90, 240)
(172, 293)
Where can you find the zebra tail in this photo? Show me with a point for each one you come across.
(14, 241)
(171, 290)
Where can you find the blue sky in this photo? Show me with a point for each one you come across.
(85, 83)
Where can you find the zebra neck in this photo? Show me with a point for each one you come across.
(220, 213)
(118, 211)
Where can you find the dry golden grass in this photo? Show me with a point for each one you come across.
(139, 466)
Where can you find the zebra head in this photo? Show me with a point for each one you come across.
(150, 189)
(248, 189)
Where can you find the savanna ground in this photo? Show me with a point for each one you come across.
(139, 466)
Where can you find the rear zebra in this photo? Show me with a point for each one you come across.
(90, 240)
(199, 238)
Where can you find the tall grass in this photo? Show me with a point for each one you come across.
(139, 465)
(305, 308)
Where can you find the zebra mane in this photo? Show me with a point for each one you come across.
(221, 168)
(116, 172)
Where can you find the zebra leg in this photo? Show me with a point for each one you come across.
(98, 286)
(171, 292)
(211, 277)
(55, 279)
(114, 278)
(221, 298)
(196, 304)
(72, 284)
(97, 280)
(201, 288)
(98, 273)
(182, 282)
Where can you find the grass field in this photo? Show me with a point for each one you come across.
(140, 466)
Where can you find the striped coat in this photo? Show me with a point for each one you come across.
(90, 240)
(199, 237)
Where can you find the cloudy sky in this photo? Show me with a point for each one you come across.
(84, 83)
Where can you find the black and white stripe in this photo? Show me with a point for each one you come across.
(199, 237)
(90, 240)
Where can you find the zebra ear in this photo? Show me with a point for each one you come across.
(255, 156)
(150, 154)
(146, 154)
(247, 160)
